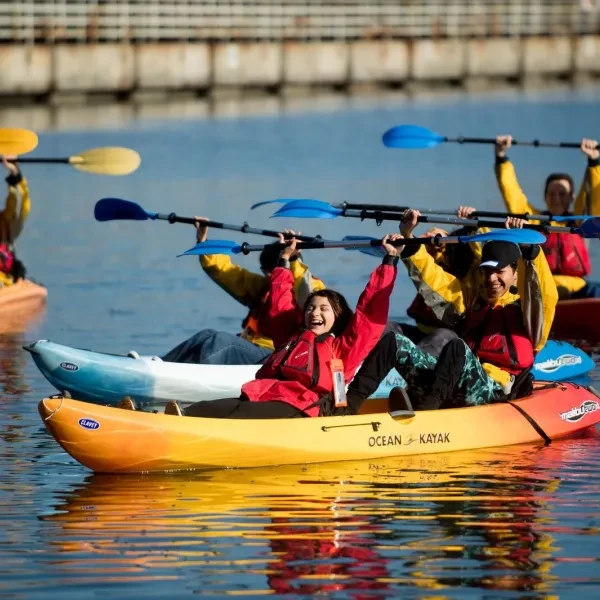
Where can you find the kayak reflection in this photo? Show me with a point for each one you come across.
(475, 519)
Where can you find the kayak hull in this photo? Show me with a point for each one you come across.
(112, 440)
(20, 303)
(106, 378)
(577, 320)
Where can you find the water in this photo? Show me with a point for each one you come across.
(503, 523)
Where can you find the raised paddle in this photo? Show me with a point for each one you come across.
(17, 141)
(516, 236)
(414, 137)
(100, 161)
(343, 206)
(116, 209)
(316, 209)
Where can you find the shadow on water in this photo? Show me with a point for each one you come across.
(441, 522)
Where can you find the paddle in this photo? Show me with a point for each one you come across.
(315, 209)
(516, 236)
(412, 137)
(17, 141)
(101, 161)
(115, 209)
(344, 206)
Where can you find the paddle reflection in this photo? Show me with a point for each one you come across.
(460, 519)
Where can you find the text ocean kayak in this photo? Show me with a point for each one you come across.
(113, 440)
(106, 378)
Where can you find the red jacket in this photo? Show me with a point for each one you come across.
(567, 254)
(498, 337)
(299, 371)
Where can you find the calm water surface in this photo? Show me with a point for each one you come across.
(503, 523)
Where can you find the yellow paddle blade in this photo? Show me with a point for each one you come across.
(17, 141)
(107, 161)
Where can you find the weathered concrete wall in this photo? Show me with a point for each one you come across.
(94, 68)
(493, 58)
(172, 66)
(438, 59)
(587, 55)
(547, 56)
(379, 61)
(25, 69)
(247, 64)
(316, 63)
(116, 68)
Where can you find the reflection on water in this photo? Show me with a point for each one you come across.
(484, 520)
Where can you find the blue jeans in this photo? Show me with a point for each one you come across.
(590, 290)
(210, 347)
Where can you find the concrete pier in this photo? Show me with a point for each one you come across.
(123, 69)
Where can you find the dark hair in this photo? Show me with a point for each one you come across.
(557, 177)
(269, 257)
(343, 313)
(458, 258)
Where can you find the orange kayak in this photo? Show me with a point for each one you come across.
(19, 303)
(577, 320)
(113, 440)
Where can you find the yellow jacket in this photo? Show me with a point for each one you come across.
(587, 202)
(249, 288)
(450, 298)
(12, 218)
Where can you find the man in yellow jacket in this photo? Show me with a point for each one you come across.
(253, 344)
(567, 254)
(12, 218)
(503, 323)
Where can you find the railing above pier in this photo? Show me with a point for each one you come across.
(84, 21)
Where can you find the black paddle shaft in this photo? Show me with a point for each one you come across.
(534, 143)
(317, 244)
(40, 160)
(478, 213)
(380, 216)
(245, 228)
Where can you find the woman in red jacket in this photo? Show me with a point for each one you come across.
(319, 347)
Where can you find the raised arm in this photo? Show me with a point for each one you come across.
(241, 284)
(18, 204)
(371, 315)
(514, 197)
(588, 198)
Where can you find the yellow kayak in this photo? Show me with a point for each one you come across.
(113, 440)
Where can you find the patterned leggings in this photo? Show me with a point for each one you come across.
(456, 378)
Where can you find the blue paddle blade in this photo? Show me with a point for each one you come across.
(516, 236)
(115, 209)
(213, 247)
(376, 251)
(308, 209)
(590, 228)
(277, 201)
(560, 361)
(411, 137)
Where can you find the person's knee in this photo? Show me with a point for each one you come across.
(456, 348)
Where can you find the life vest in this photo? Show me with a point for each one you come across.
(497, 336)
(423, 314)
(567, 254)
(305, 359)
(298, 374)
(251, 324)
(7, 259)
